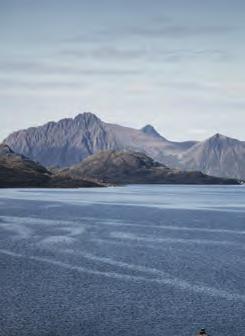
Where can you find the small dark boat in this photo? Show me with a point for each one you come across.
(202, 332)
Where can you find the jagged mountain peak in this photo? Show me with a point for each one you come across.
(219, 137)
(83, 119)
(150, 130)
(221, 140)
(86, 117)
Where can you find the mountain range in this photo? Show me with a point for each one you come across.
(98, 170)
(69, 141)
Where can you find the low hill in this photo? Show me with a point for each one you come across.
(121, 167)
(17, 171)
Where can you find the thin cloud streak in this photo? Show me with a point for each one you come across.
(8, 67)
(152, 29)
(163, 55)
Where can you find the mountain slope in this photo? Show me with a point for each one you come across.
(17, 171)
(122, 167)
(218, 155)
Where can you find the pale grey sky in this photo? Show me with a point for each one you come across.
(178, 65)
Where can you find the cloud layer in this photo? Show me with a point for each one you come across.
(130, 62)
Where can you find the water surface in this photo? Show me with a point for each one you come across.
(138, 260)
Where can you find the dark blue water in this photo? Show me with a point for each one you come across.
(138, 260)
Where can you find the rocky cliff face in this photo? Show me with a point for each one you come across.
(69, 141)
(120, 167)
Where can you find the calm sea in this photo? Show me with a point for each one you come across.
(137, 260)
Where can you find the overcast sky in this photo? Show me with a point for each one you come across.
(176, 64)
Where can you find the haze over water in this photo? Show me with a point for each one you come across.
(137, 260)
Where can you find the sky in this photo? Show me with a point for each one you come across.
(175, 64)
